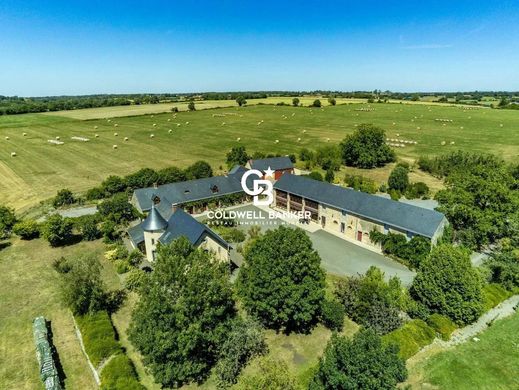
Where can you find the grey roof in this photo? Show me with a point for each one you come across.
(182, 224)
(136, 234)
(188, 191)
(154, 221)
(398, 215)
(275, 163)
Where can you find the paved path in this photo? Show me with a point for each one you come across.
(338, 255)
(78, 211)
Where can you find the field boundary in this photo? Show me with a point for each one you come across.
(80, 338)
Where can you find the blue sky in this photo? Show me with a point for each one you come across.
(81, 47)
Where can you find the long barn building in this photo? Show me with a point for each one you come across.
(355, 214)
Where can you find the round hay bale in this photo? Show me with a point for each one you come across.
(152, 135)
(277, 141)
(187, 123)
(169, 119)
(500, 125)
(115, 134)
(57, 137)
(170, 131)
(97, 135)
(443, 143)
(178, 124)
(126, 138)
(154, 125)
(116, 125)
(238, 139)
(95, 127)
(25, 134)
(114, 146)
(13, 154)
(299, 140)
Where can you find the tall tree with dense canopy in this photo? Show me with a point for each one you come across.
(241, 101)
(57, 230)
(398, 179)
(183, 313)
(281, 281)
(295, 102)
(273, 374)
(7, 221)
(366, 148)
(362, 362)
(446, 283)
(199, 170)
(237, 156)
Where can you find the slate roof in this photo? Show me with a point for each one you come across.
(154, 221)
(182, 224)
(189, 191)
(398, 215)
(179, 224)
(275, 163)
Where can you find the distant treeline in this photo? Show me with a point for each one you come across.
(20, 105)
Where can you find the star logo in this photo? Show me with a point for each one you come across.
(269, 173)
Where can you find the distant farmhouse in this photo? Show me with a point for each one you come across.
(280, 166)
(342, 211)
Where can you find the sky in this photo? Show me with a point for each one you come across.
(85, 47)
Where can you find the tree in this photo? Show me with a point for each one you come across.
(117, 209)
(88, 227)
(329, 176)
(63, 197)
(281, 281)
(328, 157)
(332, 314)
(306, 155)
(273, 374)
(7, 221)
(245, 340)
(371, 301)
(332, 101)
(27, 230)
(57, 230)
(241, 101)
(237, 156)
(199, 170)
(143, 178)
(366, 148)
(82, 286)
(398, 179)
(181, 319)
(316, 103)
(191, 106)
(446, 283)
(315, 175)
(295, 102)
(362, 362)
(114, 184)
(170, 175)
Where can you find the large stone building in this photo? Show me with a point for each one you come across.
(280, 166)
(354, 214)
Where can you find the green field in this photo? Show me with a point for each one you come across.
(39, 168)
(492, 363)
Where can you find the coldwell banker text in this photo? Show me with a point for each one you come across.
(256, 215)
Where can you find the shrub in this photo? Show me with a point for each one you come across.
(98, 336)
(119, 374)
(121, 266)
(411, 337)
(273, 374)
(87, 225)
(398, 179)
(63, 197)
(95, 193)
(315, 175)
(113, 184)
(135, 279)
(504, 268)
(245, 339)
(442, 325)
(61, 265)
(493, 295)
(7, 221)
(360, 183)
(329, 176)
(417, 190)
(27, 230)
(117, 209)
(231, 234)
(332, 314)
(135, 258)
(316, 103)
(57, 230)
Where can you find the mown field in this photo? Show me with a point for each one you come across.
(40, 168)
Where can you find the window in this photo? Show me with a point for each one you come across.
(342, 227)
(152, 241)
(214, 189)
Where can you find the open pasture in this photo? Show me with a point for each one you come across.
(123, 145)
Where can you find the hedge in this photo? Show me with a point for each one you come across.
(493, 295)
(442, 325)
(98, 336)
(411, 337)
(119, 374)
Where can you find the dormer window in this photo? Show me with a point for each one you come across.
(214, 189)
(156, 199)
(186, 191)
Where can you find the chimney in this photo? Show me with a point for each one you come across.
(174, 207)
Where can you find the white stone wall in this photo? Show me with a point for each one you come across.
(150, 242)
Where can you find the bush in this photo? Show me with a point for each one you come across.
(493, 295)
(64, 197)
(95, 193)
(135, 258)
(117, 209)
(231, 234)
(316, 103)
(121, 266)
(360, 183)
(98, 336)
(27, 230)
(57, 230)
(411, 337)
(7, 221)
(398, 179)
(61, 265)
(315, 175)
(135, 279)
(87, 225)
(245, 340)
(442, 325)
(417, 190)
(332, 314)
(119, 374)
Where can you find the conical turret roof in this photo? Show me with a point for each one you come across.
(154, 221)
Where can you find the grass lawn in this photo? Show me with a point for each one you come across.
(29, 288)
(40, 169)
(492, 363)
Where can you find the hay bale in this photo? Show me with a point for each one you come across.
(13, 154)
(178, 124)
(170, 131)
(238, 139)
(187, 123)
(443, 143)
(57, 137)
(116, 125)
(277, 141)
(154, 125)
(452, 142)
(152, 135)
(299, 140)
(126, 138)
(7, 138)
(25, 134)
(115, 134)
(95, 127)
(169, 119)
(114, 146)
(97, 135)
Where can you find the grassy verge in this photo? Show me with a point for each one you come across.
(411, 337)
(491, 363)
(493, 295)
